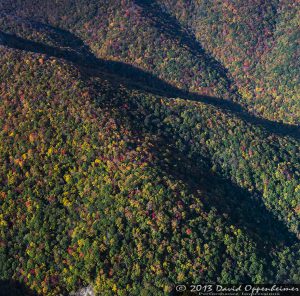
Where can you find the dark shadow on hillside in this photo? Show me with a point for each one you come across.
(241, 208)
(135, 78)
(237, 206)
(14, 288)
(169, 26)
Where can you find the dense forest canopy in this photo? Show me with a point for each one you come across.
(148, 143)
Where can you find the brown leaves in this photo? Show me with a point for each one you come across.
(33, 137)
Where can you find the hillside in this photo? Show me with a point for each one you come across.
(133, 169)
(257, 42)
(242, 51)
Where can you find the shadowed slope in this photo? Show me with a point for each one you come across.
(236, 205)
(137, 78)
(169, 25)
(14, 288)
(237, 210)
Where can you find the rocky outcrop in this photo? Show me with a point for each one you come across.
(87, 291)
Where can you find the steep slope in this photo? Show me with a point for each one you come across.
(104, 181)
(280, 159)
(81, 199)
(257, 42)
(124, 31)
(229, 50)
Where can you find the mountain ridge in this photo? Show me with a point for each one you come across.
(112, 177)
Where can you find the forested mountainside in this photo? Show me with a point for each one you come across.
(246, 51)
(135, 154)
(257, 42)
